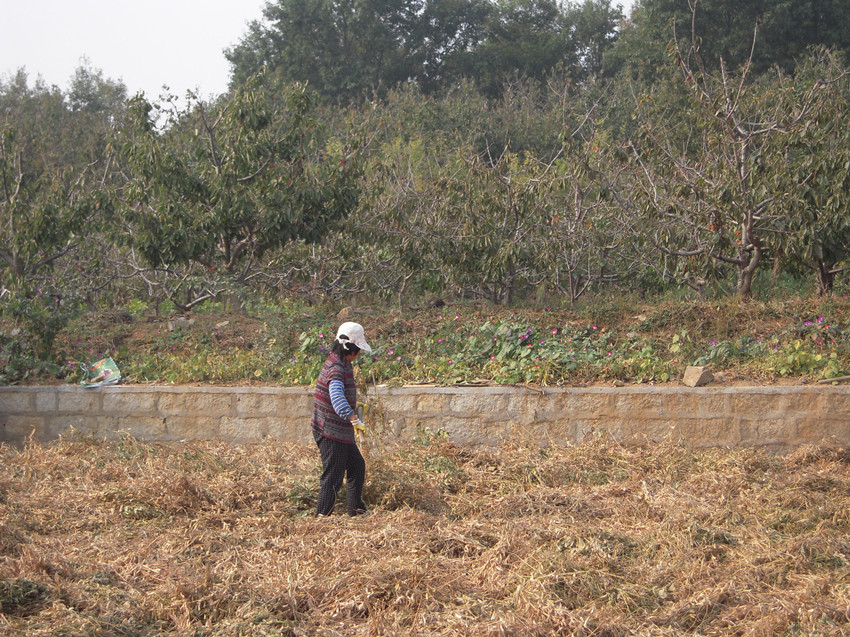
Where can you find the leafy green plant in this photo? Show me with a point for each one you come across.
(795, 359)
(644, 365)
(724, 353)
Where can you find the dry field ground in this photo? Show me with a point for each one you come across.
(136, 539)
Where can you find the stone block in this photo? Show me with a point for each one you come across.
(85, 401)
(170, 403)
(19, 427)
(45, 401)
(650, 431)
(465, 404)
(709, 405)
(290, 430)
(697, 376)
(403, 403)
(15, 401)
(824, 400)
(430, 403)
(516, 404)
(552, 411)
(192, 427)
(119, 402)
(209, 404)
(86, 425)
(141, 427)
(638, 405)
(471, 432)
(398, 429)
(818, 428)
(252, 404)
(694, 404)
(722, 431)
(544, 434)
(244, 429)
(589, 403)
(587, 428)
(760, 404)
(296, 411)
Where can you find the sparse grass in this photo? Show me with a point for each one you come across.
(764, 341)
(207, 539)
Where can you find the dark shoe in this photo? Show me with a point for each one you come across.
(361, 512)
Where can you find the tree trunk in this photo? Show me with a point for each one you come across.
(826, 278)
(746, 273)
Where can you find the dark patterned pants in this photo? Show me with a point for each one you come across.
(340, 460)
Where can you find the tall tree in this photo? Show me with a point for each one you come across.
(233, 181)
(344, 49)
(722, 29)
(814, 227)
(522, 38)
(594, 29)
(709, 173)
(52, 168)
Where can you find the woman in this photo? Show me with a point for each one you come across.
(334, 422)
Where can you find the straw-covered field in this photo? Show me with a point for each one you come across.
(131, 538)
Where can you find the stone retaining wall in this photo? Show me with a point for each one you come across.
(775, 418)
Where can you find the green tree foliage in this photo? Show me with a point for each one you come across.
(722, 29)
(233, 181)
(710, 172)
(523, 38)
(55, 197)
(53, 163)
(814, 227)
(503, 153)
(350, 49)
(594, 27)
(346, 49)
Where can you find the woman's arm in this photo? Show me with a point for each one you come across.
(338, 400)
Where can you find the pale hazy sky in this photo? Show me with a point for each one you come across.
(145, 44)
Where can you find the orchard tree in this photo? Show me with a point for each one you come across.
(708, 174)
(55, 198)
(814, 229)
(52, 194)
(488, 216)
(231, 181)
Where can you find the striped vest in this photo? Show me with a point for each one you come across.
(325, 421)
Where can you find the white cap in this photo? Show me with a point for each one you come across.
(354, 332)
